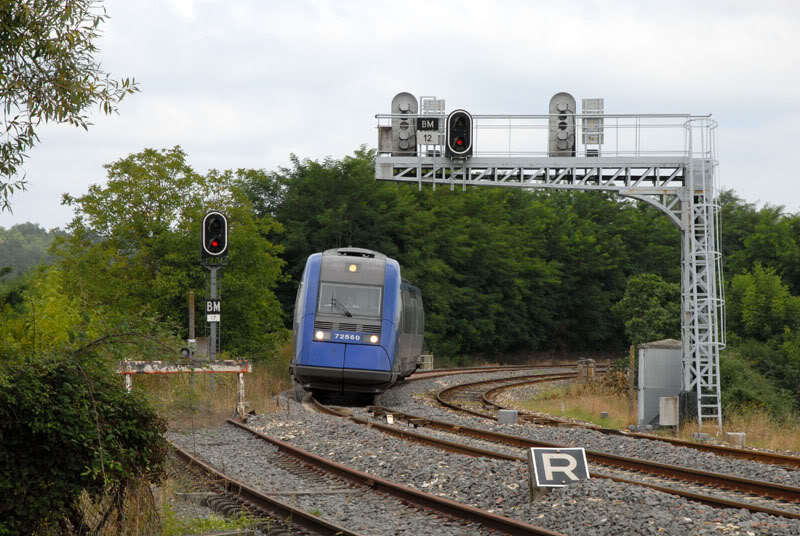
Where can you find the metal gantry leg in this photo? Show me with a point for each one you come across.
(701, 278)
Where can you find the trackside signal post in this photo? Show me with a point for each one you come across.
(666, 160)
(215, 253)
(214, 250)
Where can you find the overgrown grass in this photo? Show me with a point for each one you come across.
(209, 399)
(586, 401)
(763, 430)
(173, 525)
(576, 401)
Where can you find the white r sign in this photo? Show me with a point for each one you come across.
(549, 467)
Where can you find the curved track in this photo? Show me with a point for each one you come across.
(436, 373)
(769, 498)
(467, 397)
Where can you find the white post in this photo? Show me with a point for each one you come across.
(240, 396)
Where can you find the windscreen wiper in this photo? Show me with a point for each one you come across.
(336, 303)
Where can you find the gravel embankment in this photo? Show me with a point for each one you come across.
(592, 507)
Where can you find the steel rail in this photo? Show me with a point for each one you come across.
(460, 448)
(253, 497)
(766, 489)
(435, 373)
(448, 391)
(784, 460)
(406, 493)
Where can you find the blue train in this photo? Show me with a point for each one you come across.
(358, 327)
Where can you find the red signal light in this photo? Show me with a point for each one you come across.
(459, 141)
(215, 235)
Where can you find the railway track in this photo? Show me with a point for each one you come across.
(474, 399)
(751, 495)
(231, 497)
(440, 506)
(713, 489)
(428, 374)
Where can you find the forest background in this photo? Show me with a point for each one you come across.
(505, 275)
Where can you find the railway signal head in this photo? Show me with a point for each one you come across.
(459, 134)
(404, 131)
(215, 235)
(561, 140)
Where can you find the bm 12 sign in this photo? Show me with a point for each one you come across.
(428, 131)
(213, 310)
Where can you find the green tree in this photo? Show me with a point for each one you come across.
(135, 245)
(760, 305)
(650, 309)
(49, 73)
(25, 245)
(480, 259)
(739, 220)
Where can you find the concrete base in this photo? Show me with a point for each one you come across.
(507, 416)
(737, 439)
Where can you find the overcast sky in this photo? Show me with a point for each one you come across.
(242, 84)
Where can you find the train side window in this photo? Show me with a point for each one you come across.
(408, 312)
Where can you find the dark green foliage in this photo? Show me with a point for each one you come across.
(482, 275)
(763, 321)
(760, 305)
(12, 289)
(650, 309)
(68, 426)
(502, 271)
(742, 384)
(767, 236)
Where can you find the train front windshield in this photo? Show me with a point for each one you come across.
(349, 300)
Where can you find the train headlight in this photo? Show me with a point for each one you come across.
(352, 268)
(319, 335)
(373, 339)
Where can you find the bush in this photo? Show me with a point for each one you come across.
(744, 387)
(69, 430)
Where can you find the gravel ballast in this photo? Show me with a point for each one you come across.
(595, 506)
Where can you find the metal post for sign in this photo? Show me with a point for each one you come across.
(212, 342)
(212, 339)
(192, 341)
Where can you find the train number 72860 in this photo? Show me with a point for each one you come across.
(346, 337)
